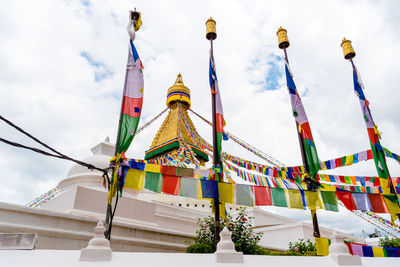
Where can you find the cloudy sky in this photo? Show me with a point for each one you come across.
(63, 67)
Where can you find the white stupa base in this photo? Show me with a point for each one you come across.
(96, 254)
(229, 257)
(226, 252)
(339, 252)
(347, 259)
(98, 248)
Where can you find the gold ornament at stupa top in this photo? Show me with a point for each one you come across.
(178, 93)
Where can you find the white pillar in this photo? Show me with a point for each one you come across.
(226, 252)
(340, 252)
(98, 248)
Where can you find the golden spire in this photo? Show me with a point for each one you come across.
(177, 127)
(178, 93)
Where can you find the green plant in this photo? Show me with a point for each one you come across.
(389, 243)
(199, 248)
(302, 248)
(243, 236)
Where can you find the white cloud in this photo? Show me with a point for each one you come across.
(48, 87)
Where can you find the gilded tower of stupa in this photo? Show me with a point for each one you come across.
(177, 137)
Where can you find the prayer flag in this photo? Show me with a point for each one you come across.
(153, 182)
(170, 185)
(313, 200)
(188, 187)
(295, 199)
(377, 203)
(187, 172)
(219, 120)
(226, 192)
(209, 189)
(132, 100)
(169, 170)
(310, 151)
(357, 249)
(152, 168)
(262, 196)
(373, 134)
(367, 251)
(244, 195)
(137, 165)
(330, 200)
(134, 179)
(278, 197)
(322, 245)
(362, 201)
(378, 252)
(347, 199)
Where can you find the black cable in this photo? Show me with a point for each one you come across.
(30, 148)
(29, 135)
(60, 155)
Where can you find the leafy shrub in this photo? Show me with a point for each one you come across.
(199, 248)
(389, 243)
(243, 237)
(302, 248)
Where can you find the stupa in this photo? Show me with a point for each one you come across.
(173, 138)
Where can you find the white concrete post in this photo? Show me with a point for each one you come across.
(340, 252)
(226, 252)
(98, 248)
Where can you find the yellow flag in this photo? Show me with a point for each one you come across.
(385, 186)
(378, 252)
(199, 192)
(138, 22)
(134, 179)
(295, 201)
(349, 160)
(313, 200)
(327, 187)
(226, 192)
(323, 166)
(113, 186)
(393, 209)
(322, 245)
(152, 168)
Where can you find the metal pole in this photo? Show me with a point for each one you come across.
(316, 232)
(392, 188)
(215, 152)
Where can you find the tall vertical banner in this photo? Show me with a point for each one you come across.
(303, 126)
(131, 107)
(373, 134)
(220, 122)
(132, 100)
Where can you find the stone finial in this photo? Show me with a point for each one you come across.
(226, 252)
(98, 248)
(340, 252)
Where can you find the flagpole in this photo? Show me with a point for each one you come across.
(211, 36)
(349, 54)
(283, 44)
(134, 16)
